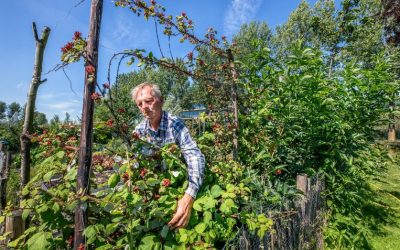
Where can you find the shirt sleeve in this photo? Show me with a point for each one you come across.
(194, 158)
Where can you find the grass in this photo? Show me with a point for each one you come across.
(386, 207)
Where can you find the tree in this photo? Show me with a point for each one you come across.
(14, 111)
(39, 120)
(27, 129)
(67, 118)
(391, 18)
(3, 108)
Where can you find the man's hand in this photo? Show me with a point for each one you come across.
(183, 211)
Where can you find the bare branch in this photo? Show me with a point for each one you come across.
(158, 38)
(35, 33)
(69, 80)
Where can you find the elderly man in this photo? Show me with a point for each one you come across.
(162, 128)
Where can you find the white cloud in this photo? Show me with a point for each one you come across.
(22, 86)
(239, 13)
(124, 34)
(65, 106)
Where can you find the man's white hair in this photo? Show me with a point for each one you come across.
(155, 90)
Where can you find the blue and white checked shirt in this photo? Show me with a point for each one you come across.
(173, 130)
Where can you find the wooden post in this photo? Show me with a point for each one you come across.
(30, 105)
(391, 133)
(4, 178)
(392, 127)
(234, 98)
(15, 225)
(302, 184)
(3, 159)
(86, 138)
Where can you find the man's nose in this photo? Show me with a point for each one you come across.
(145, 105)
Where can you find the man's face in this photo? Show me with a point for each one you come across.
(149, 105)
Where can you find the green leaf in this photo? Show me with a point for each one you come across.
(227, 206)
(263, 219)
(90, 231)
(164, 231)
(152, 182)
(207, 216)
(26, 213)
(39, 241)
(56, 207)
(113, 180)
(216, 191)
(150, 242)
(105, 247)
(200, 228)
(60, 154)
(183, 235)
(212, 234)
(110, 228)
(197, 205)
(47, 176)
(71, 175)
(230, 188)
(209, 203)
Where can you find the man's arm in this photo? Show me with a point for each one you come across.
(195, 164)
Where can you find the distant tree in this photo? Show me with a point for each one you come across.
(67, 118)
(39, 120)
(391, 17)
(249, 33)
(3, 108)
(55, 121)
(14, 110)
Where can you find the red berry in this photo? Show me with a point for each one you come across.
(90, 69)
(143, 172)
(71, 240)
(77, 35)
(110, 123)
(135, 136)
(95, 96)
(278, 172)
(190, 55)
(166, 182)
(125, 177)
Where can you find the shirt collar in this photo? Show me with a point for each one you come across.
(163, 122)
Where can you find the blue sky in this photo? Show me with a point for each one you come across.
(120, 30)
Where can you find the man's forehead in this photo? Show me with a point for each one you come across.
(146, 91)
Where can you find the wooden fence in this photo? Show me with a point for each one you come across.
(14, 223)
(298, 228)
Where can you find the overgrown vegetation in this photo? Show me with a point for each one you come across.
(310, 96)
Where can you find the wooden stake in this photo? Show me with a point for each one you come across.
(234, 97)
(86, 138)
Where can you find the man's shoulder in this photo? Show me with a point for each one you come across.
(174, 121)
